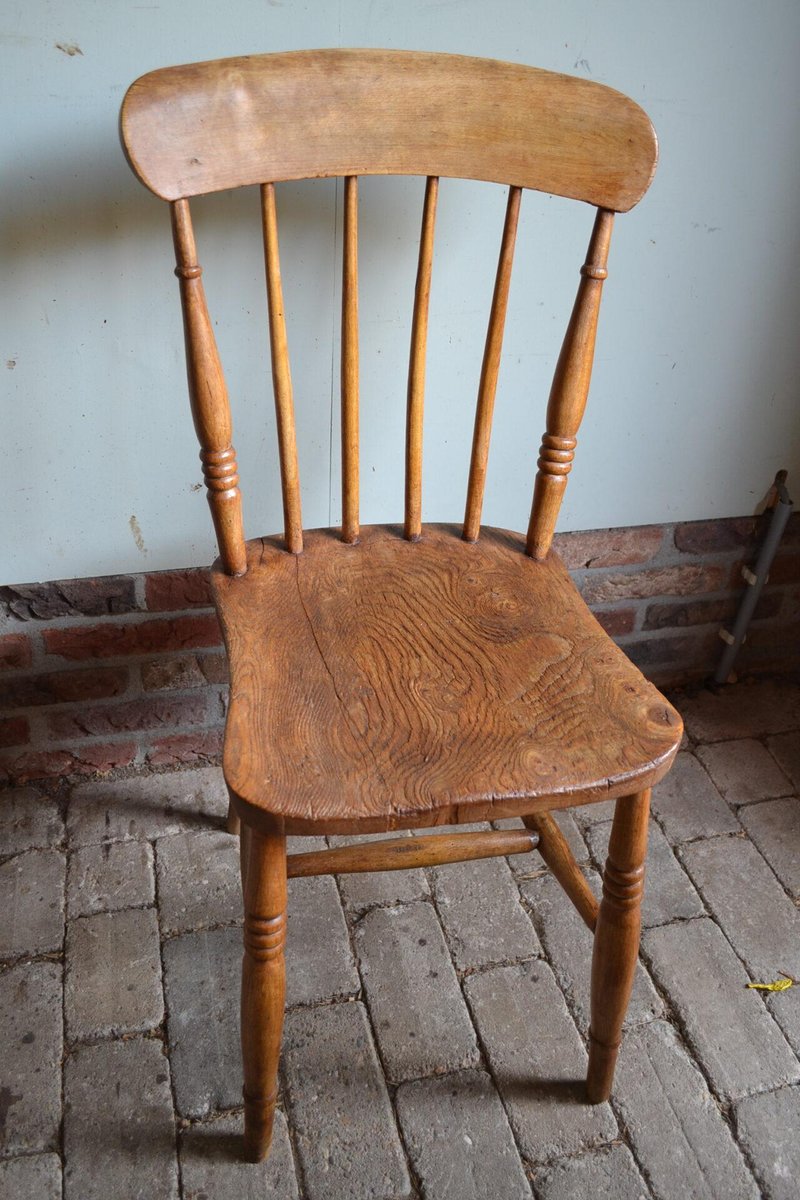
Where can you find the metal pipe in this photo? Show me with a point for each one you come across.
(755, 580)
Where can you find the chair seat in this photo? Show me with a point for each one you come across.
(391, 684)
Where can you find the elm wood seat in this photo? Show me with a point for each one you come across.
(414, 684)
(390, 678)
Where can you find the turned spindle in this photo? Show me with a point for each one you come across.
(209, 398)
(569, 391)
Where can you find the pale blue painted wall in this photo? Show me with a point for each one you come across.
(694, 403)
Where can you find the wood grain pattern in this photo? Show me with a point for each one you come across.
(263, 985)
(208, 397)
(401, 854)
(555, 851)
(416, 367)
(616, 940)
(395, 684)
(569, 392)
(490, 369)
(321, 113)
(350, 363)
(281, 376)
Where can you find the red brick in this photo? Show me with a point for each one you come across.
(689, 653)
(152, 712)
(171, 674)
(71, 598)
(774, 646)
(214, 667)
(15, 652)
(617, 621)
(59, 687)
(172, 591)
(144, 637)
(690, 612)
(661, 581)
(716, 536)
(609, 547)
(14, 731)
(785, 568)
(89, 760)
(186, 748)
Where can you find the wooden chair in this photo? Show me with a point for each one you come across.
(390, 678)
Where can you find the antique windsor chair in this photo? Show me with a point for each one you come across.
(386, 678)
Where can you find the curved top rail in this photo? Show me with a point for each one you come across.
(209, 126)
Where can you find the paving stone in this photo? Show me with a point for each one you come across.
(590, 814)
(458, 1138)
(744, 771)
(319, 960)
(774, 826)
(785, 748)
(673, 1122)
(732, 1035)
(146, 807)
(745, 710)
(202, 972)
(757, 917)
(418, 1012)
(28, 821)
(538, 1061)
(767, 1127)
(199, 881)
(26, 1178)
(109, 876)
(363, 891)
(113, 975)
(32, 903)
(119, 1129)
(605, 1174)
(30, 1066)
(342, 1121)
(668, 894)
(479, 907)
(212, 1167)
(786, 1011)
(532, 863)
(568, 944)
(688, 805)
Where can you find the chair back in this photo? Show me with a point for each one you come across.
(270, 118)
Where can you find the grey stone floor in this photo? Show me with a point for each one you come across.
(435, 1036)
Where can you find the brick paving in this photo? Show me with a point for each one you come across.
(426, 1054)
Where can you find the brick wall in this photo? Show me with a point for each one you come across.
(128, 671)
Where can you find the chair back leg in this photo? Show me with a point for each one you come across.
(616, 940)
(263, 983)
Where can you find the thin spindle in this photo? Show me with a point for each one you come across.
(569, 391)
(350, 363)
(489, 371)
(416, 366)
(281, 376)
(208, 397)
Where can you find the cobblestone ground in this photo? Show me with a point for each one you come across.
(435, 1039)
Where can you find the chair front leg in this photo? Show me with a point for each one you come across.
(263, 984)
(616, 940)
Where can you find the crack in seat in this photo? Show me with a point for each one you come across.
(390, 684)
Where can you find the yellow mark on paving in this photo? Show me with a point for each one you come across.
(780, 985)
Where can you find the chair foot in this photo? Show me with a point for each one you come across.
(616, 940)
(600, 1076)
(263, 985)
(259, 1116)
